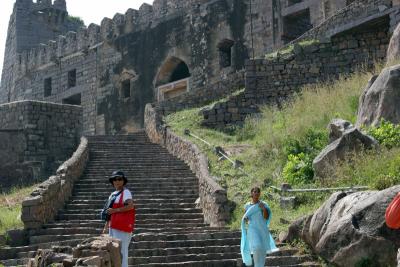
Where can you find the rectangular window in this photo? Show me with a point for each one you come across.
(72, 78)
(225, 53)
(126, 88)
(47, 87)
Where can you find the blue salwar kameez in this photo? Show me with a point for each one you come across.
(256, 239)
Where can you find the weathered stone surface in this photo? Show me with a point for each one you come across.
(352, 141)
(337, 127)
(351, 227)
(103, 251)
(393, 51)
(34, 137)
(47, 257)
(43, 203)
(381, 99)
(213, 198)
(398, 252)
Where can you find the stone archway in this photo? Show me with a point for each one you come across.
(172, 79)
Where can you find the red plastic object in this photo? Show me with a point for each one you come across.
(392, 214)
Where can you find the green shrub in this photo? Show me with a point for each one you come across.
(385, 181)
(378, 169)
(298, 169)
(386, 134)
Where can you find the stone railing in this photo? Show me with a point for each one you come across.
(213, 198)
(44, 202)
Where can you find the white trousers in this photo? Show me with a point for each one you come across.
(125, 240)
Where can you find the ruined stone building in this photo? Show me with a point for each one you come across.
(114, 69)
(174, 52)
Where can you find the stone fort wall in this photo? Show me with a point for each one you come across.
(115, 68)
(34, 138)
(273, 80)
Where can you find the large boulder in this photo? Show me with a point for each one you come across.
(398, 258)
(345, 140)
(393, 51)
(350, 228)
(381, 99)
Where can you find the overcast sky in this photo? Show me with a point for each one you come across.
(89, 10)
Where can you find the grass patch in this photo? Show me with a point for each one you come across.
(10, 208)
(278, 137)
(289, 49)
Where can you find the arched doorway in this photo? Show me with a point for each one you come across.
(172, 79)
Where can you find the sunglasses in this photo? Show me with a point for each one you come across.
(118, 179)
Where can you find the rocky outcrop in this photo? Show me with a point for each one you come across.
(350, 228)
(398, 258)
(393, 51)
(101, 251)
(345, 139)
(381, 98)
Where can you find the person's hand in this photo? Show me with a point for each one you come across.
(111, 211)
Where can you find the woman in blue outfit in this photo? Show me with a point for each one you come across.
(256, 238)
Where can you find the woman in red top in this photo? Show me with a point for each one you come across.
(122, 213)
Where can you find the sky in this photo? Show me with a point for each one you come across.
(91, 11)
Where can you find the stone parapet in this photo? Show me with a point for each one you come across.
(213, 198)
(356, 11)
(45, 201)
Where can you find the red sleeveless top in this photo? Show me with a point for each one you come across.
(123, 221)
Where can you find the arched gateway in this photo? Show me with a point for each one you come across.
(172, 79)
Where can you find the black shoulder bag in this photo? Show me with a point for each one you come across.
(110, 201)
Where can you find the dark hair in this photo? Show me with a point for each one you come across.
(255, 189)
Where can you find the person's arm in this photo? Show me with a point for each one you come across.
(105, 229)
(129, 205)
(265, 211)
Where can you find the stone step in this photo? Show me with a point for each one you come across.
(140, 206)
(138, 233)
(160, 178)
(94, 184)
(202, 235)
(200, 250)
(140, 212)
(186, 197)
(204, 263)
(139, 217)
(166, 226)
(187, 243)
(154, 201)
(140, 191)
(155, 252)
(182, 258)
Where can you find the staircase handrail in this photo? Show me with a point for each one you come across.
(236, 164)
(286, 189)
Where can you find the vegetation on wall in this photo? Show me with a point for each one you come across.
(278, 146)
(77, 20)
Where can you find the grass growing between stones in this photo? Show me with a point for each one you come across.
(10, 208)
(265, 142)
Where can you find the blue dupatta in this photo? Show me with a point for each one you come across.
(257, 235)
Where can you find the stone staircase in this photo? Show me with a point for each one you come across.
(170, 230)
